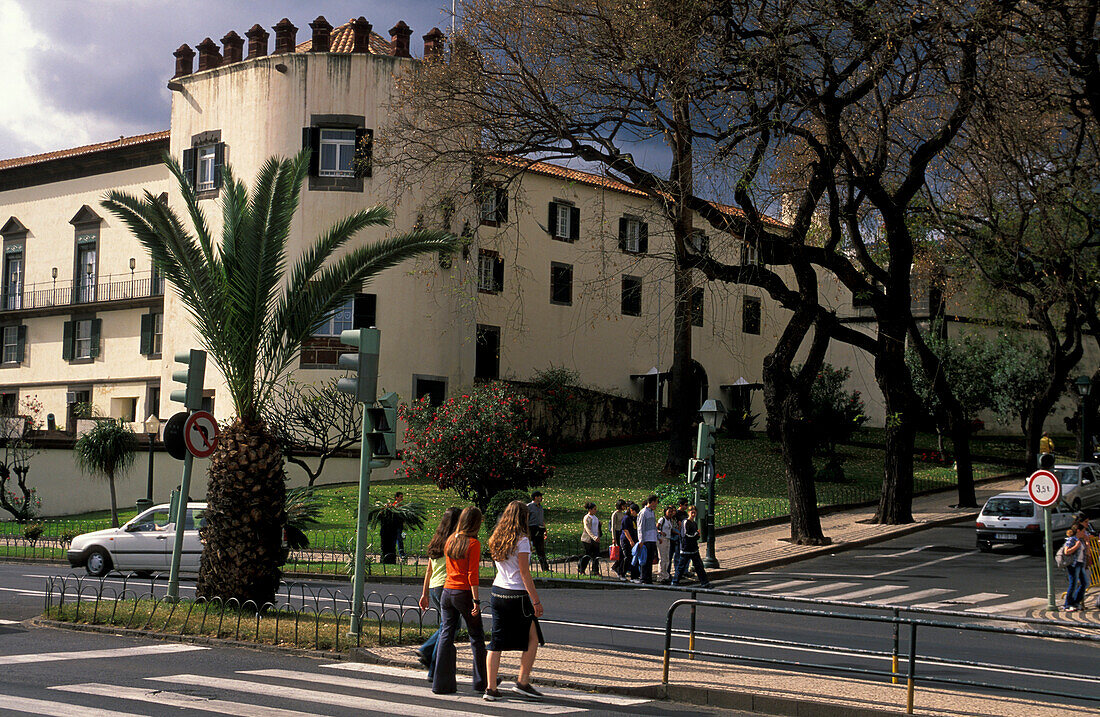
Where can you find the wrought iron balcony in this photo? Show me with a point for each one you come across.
(116, 287)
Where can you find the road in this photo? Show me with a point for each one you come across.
(937, 568)
(56, 672)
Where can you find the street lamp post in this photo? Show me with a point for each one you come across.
(152, 429)
(1083, 385)
(713, 413)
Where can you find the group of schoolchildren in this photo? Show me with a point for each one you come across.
(644, 537)
(451, 586)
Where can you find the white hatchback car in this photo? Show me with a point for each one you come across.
(1014, 519)
(1080, 484)
(143, 545)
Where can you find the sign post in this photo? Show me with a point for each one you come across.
(191, 398)
(1045, 490)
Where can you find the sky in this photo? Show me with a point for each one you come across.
(74, 72)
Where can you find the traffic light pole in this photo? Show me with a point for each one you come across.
(365, 457)
(704, 451)
(181, 517)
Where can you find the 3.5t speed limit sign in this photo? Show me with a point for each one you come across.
(1044, 488)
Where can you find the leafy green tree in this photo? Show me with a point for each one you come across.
(106, 450)
(477, 444)
(252, 312)
(835, 413)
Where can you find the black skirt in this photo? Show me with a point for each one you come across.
(513, 614)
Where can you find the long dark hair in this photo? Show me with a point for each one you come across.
(446, 526)
(468, 525)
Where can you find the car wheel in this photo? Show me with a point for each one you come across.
(985, 547)
(98, 562)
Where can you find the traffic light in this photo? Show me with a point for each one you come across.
(697, 471)
(382, 437)
(704, 444)
(191, 377)
(1046, 461)
(364, 364)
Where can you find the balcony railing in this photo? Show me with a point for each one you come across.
(115, 287)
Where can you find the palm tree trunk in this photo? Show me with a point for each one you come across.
(246, 513)
(114, 502)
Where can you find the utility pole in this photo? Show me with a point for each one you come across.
(191, 398)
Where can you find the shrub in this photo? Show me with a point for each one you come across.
(739, 424)
(835, 413)
(832, 472)
(32, 532)
(303, 511)
(500, 501)
(559, 390)
(673, 493)
(65, 537)
(476, 444)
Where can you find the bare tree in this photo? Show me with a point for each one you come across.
(16, 450)
(313, 420)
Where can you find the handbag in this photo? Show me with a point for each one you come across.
(615, 553)
(1060, 557)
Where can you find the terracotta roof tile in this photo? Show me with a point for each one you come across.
(86, 149)
(595, 180)
(342, 38)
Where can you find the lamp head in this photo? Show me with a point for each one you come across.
(713, 413)
(152, 425)
(1084, 385)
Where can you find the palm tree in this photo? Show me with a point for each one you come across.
(252, 315)
(108, 449)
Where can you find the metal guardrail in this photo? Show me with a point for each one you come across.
(896, 620)
(303, 615)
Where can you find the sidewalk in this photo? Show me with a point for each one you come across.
(768, 691)
(762, 548)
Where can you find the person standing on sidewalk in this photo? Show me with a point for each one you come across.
(616, 535)
(689, 549)
(665, 526)
(538, 528)
(681, 516)
(1046, 443)
(515, 602)
(434, 578)
(590, 540)
(629, 538)
(647, 533)
(1072, 548)
(460, 600)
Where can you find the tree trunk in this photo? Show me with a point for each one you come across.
(781, 397)
(891, 373)
(682, 407)
(246, 512)
(114, 502)
(964, 462)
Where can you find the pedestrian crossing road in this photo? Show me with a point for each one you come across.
(294, 688)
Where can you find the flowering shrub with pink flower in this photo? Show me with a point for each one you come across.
(476, 444)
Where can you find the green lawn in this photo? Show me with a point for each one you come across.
(751, 487)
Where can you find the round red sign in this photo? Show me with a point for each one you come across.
(200, 434)
(1044, 488)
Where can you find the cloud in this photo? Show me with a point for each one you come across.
(77, 72)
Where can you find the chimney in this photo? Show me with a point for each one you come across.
(185, 61)
(209, 57)
(322, 35)
(360, 33)
(233, 44)
(285, 34)
(433, 44)
(257, 41)
(399, 35)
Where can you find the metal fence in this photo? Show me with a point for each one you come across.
(304, 616)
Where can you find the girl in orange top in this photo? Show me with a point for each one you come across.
(460, 600)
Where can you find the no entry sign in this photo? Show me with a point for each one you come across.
(1044, 488)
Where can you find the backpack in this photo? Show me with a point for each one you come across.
(1060, 557)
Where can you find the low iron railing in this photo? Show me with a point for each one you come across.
(113, 287)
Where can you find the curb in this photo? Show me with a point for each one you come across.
(684, 694)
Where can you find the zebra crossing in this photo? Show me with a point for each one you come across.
(328, 689)
(890, 594)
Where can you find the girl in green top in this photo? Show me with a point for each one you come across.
(434, 577)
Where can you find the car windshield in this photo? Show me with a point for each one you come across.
(153, 520)
(1066, 476)
(1010, 507)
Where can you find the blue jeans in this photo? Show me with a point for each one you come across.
(427, 650)
(458, 605)
(1078, 581)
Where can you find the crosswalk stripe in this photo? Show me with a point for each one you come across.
(976, 598)
(1019, 605)
(9, 622)
(361, 683)
(576, 696)
(313, 696)
(910, 598)
(818, 589)
(784, 585)
(175, 699)
(140, 650)
(1013, 559)
(867, 592)
(55, 709)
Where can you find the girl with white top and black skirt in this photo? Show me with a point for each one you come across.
(515, 602)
